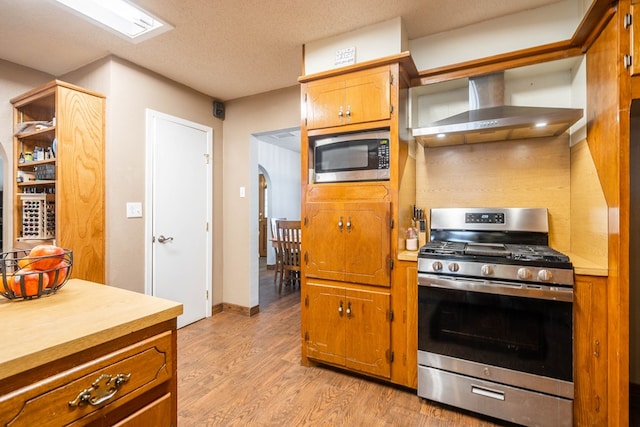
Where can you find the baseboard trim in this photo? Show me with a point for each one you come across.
(216, 308)
(245, 311)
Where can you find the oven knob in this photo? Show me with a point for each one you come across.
(544, 275)
(453, 267)
(486, 270)
(524, 273)
(436, 265)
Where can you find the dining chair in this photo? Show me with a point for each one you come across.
(276, 248)
(289, 240)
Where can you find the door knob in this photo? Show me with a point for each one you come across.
(162, 239)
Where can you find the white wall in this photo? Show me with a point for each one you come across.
(544, 25)
(372, 42)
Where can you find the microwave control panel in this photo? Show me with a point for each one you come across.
(383, 154)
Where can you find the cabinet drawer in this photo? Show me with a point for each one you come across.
(155, 414)
(46, 403)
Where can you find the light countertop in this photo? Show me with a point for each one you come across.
(79, 316)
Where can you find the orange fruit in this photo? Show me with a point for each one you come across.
(62, 269)
(31, 281)
(44, 257)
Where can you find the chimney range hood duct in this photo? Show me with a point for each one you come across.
(488, 119)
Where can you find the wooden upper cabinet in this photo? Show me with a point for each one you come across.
(360, 97)
(351, 241)
(635, 38)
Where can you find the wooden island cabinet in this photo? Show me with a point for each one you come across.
(351, 230)
(89, 355)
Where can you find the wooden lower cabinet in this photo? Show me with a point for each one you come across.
(348, 327)
(404, 328)
(154, 414)
(134, 385)
(590, 363)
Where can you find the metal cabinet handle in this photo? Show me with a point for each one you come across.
(349, 224)
(162, 239)
(101, 390)
(340, 224)
(340, 113)
(340, 309)
(348, 111)
(349, 309)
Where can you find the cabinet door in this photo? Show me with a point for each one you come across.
(80, 206)
(325, 333)
(368, 332)
(157, 413)
(359, 97)
(368, 243)
(590, 337)
(324, 100)
(635, 38)
(367, 96)
(323, 240)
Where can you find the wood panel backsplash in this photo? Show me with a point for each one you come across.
(589, 212)
(524, 173)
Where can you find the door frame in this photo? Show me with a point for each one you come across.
(148, 218)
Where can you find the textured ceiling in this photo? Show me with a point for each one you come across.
(224, 48)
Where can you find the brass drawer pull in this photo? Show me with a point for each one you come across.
(101, 390)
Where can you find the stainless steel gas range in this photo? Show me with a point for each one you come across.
(495, 316)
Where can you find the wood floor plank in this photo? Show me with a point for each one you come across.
(235, 370)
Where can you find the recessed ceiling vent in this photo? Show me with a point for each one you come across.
(489, 120)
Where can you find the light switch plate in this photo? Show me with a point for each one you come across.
(134, 210)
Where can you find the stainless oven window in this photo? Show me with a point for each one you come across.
(524, 334)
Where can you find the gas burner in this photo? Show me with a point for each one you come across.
(499, 244)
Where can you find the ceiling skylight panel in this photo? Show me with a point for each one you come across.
(119, 15)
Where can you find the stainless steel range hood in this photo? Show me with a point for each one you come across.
(488, 119)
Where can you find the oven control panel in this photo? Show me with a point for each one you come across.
(484, 218)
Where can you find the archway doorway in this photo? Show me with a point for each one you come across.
(277, 195)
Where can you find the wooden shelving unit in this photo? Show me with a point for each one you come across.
(66, 124)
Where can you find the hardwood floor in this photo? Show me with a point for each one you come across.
(235, 370)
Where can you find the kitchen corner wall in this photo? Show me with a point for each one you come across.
(245, 117)
(129, 91)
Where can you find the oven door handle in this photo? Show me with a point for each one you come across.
(498, 288)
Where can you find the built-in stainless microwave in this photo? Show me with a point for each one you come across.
(362, 156)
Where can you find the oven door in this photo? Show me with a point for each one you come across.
(505, 332)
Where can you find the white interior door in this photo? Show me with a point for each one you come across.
(178, 226)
